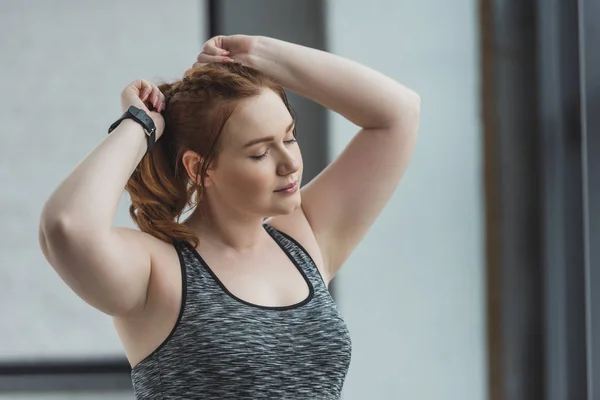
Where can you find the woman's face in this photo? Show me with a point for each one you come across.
(259, 155)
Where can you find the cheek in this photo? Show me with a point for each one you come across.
(250, 178)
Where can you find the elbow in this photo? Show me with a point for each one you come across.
(416, 100)
(53, 231)
(50, 232)
(411, 105)
(49, 227)
(408, 112)
(56, 223)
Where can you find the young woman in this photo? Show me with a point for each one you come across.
(233, 302)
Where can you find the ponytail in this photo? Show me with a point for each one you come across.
(196, 109)
(159, 190)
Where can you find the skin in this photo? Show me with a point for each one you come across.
(344, 200)
(239, 191)
(135, 277)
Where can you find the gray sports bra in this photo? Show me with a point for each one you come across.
(223, 347)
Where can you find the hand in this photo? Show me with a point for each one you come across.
(144, 94)
(234, 48)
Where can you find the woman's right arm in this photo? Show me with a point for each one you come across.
(108, 267)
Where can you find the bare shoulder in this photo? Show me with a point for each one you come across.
(296, 225)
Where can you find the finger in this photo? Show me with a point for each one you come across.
(214, 47)
(210, 48)
(156, 94)
(163, 101)
(145, 93)
(206, 58)
(152, 96)
(145, 88)
(223, 42)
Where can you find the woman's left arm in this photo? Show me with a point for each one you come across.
(344, 200)
(366, 97)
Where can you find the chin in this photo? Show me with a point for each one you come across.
(286, 208)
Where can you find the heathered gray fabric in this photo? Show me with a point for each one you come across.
(225, 348)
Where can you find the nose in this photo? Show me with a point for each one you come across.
(288, 164)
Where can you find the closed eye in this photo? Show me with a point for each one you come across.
(262, 156)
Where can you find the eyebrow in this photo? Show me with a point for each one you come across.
(268, 138)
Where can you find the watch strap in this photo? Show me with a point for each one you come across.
(141, 117)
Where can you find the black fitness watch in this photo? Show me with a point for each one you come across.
(143, 119)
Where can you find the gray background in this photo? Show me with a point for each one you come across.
(66, 66)
(413, 291)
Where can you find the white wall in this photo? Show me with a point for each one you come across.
(63, 66)
(413, 292)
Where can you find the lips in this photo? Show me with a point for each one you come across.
(291, 185)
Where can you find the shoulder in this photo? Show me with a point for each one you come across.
(296, 226)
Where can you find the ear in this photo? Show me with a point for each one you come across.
(192, 162)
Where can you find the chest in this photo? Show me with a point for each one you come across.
(271, 278)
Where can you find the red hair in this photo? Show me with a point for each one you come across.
(196, 109)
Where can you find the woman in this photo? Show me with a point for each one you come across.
(228, 304)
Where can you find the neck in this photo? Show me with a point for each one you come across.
(227, 230)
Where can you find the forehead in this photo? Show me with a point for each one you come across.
(257, 117)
